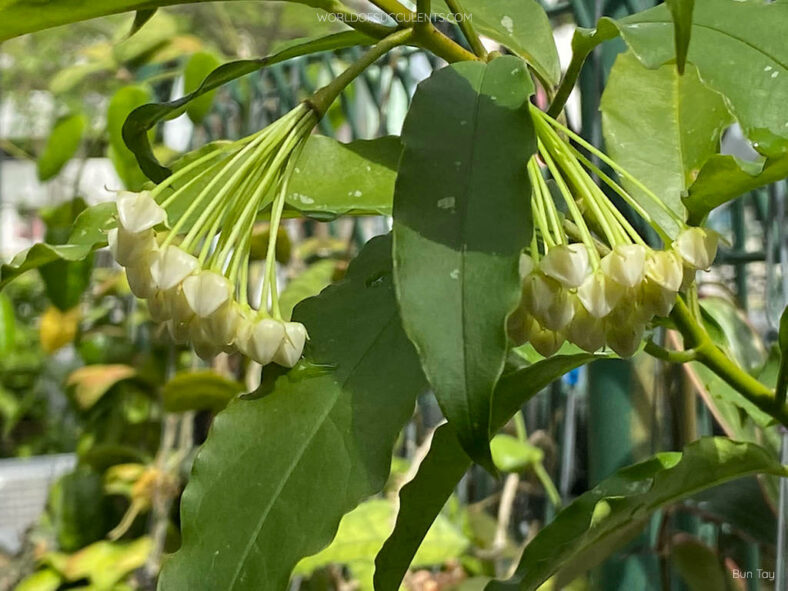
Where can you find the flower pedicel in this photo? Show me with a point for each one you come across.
(194, 273)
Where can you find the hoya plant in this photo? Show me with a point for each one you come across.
(519, 250)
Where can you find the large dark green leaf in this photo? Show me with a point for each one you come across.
(123, 102)
(578, 534)
(739, 49)
(661, 127)
(520, 25)
(278, 472)
(135, 129)
(332, 178)
(62, 144)
(725, 177)
(422, 499)
(461, 218)
(18, 17)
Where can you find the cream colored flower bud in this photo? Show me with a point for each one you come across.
(260, 340)
(586, 331)
(172, 266)
(568, 264)
(206, 292)
(178, 306)
(697, 247)
(223, 325)
(292, 345)
(158, 307)
(623, 338)
(664, 267)
(179, 331)
(516, 326)
(138, 212)
(205, 348)
(526, 265)
(547, 301)
(599, 294)
(655, 298)
(625, 264)
(128, 248)
(545, 341)
(140, 276)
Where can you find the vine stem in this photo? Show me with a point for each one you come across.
(467, 28)
(707, 353)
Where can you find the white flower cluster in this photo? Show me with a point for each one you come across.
(564, 298)
(602, 285)
(197, 284)
(197, 305)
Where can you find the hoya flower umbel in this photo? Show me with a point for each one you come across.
(602, 285)
(186, 244)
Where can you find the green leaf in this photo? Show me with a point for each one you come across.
(136, 127)
(309, 283)
(106, 563)
(520, 25)
(135, 49)
(62, 143)
(699, 566)
(254, 507)
(725, 177)
(740, 339)
(23, 16)
(141, 17)
(7, 326)
(512, 455)
(365, 184)
(41, 254)
(422, 499)
(362, 532)
(681, 13)
(77, 509)
(461, 218)
(739, 50)
(626, 499)
(661, 127)
(782, 373)
(123, 102)
(199, 390)
(197, 69)
(91, 382)
(43, 580)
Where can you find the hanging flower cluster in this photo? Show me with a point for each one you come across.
(599, 288)
(194, 273)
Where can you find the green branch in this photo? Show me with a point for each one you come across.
(710, 355)
(467, 28)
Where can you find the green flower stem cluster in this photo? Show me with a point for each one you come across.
(194, 273)
(570, 291)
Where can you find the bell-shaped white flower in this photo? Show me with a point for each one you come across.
(599, 294)
(526, 265)
(517, 326)
(140, 276)
(292, 345)
(128, 248)
(654, 298)
(547, 300)
(223, 325)
(664, 267)
(586, 331)
(206, 292)
(624, 338)
(179, 331)
(545, 341)
(158, 306)
(205, 348)
(697, 247)
(179, 309)
(569, 264)
(138, 212)
(172, 266)
(625, 264)
(260, 340)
